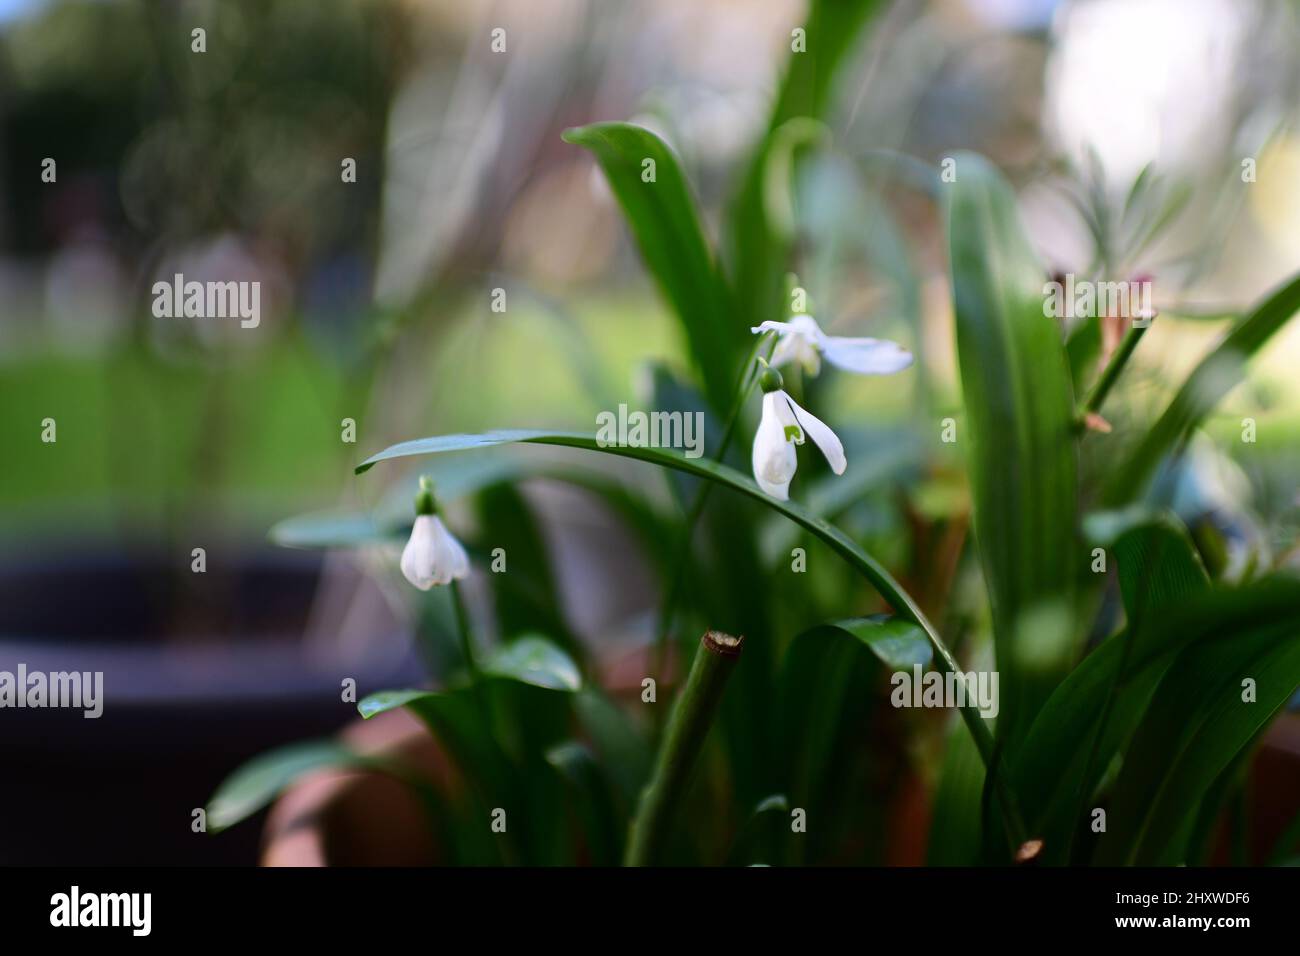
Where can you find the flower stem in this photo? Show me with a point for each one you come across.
(471, 662)
(673, 593)
(463, 633)
(692, 717)
(1110, 374)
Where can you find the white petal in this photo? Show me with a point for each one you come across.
(418, 555)
(770, 326)
(774, 458)
(433, 555)
(807, 326)
(450, 560)
(865, 356)
(811, 359)
(784, 351)
(783, 408)
(801, 343)
(822, 436)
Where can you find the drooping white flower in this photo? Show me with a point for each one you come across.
(802, 340)
(783, 425)
(432, 555)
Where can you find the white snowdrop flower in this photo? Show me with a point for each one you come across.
(432, 555)
(783, 425)
(801, 340)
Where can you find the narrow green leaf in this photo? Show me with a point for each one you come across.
(501, 749)
(661, 214)
(529, 660)
(1158, 563)
(1052, 767)
(536, 661)
(324, 530)
(1137, 192)
(1286, 843)
(591, 800)
(1083, 349)
(262, 779)
(832, 680)
(1020, 413)
(757, 842)
(897, 644)
(390, 521)
(757, 247)
(1212, 379)
(1199, 722)
(1158, 568)
(525, 598)
(956, 823)
(624, 751)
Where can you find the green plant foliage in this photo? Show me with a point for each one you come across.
(1019, 417)
(1199, 720)
(1212, 379)
(757, 246)
(501, 735)
(661, 214)
(526, 595)
(830, 693)
(258, 782)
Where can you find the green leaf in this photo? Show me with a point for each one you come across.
(670, 394)
(1198, 724)
(1051, 768)
(786, 142)
(759, 839)
(1158, 564)
(529, 660)
(385, 700)
(1286, 843)
(1212, 379)
(390, 522)
(759, 248)
(831, 682)
(498, 734)
(1020, 446)
(663, 220)
(1158, 568)
(591, 801)
(536, 661)
(1196, 846)
(1055, 769)
(265, 777)
(1137, 192)
(526, 597)
(897, 644)
(956, 823)
(1083, 349)
(323, 530)
(624, 751)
